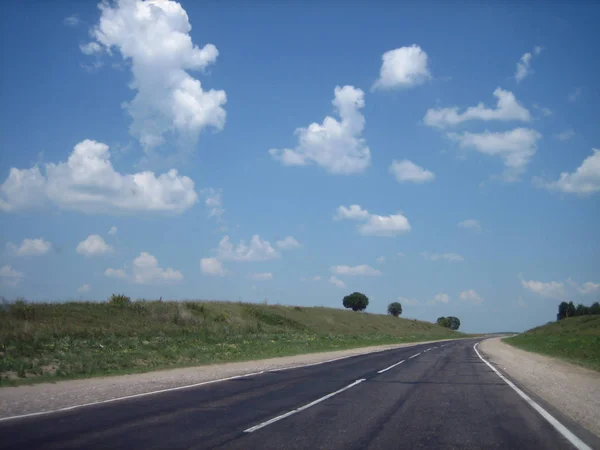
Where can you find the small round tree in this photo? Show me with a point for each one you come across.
(356, 301)
(395, 309)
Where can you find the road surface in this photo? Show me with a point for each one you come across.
(427, 396)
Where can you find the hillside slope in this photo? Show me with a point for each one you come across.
(574, 339)
(68, 340)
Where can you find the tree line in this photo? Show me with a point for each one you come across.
(358, 301)
(570, 310)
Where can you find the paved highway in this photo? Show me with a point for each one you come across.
(428, 396)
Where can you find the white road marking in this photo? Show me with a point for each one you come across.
(391, 367)
(302, 408)
(414, 356)
(143, 394)
(428, 349)
(574, 440)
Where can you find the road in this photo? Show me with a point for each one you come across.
(440, 396)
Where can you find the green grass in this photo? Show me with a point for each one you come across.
(575, 339)
(51, 341)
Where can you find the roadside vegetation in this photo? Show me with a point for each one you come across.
(573, 339)
(51, 341)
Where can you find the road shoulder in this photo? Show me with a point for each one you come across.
(568, 388)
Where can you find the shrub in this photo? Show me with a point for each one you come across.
(22, 310)
(119, 300)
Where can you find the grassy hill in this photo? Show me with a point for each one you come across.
(48, 341)
(574, 339)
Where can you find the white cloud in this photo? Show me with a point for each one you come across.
(115, 273)
(83, 288)
(450, 257)
(552, 289)
(288, 243)
(211, 266)
(146, 271)
(153, 36)
(586, 288)
(91, 48)
(261, 276)
(471, 225)
(575, 94)
(403, 67)
(112, 231)
(353, 212)
(72, 21)
(94, 245)
(521, 303)
(360, 270)
(30, 247)
(337, 282)
(516, 147)
(441, 298)
(408, 301)
(584, 181)
(407, 171)
(316, 278)
(337, 146)
(380, 260)
(386, 226)
(9, 276)
(87, 182)
(213, 200)
(524, 65)
(258, 250)
(564, 135)
(545, 111)
(471, 296)
(507, 108)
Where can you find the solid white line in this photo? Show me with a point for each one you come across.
(302, 408)
(391, 367)
(414, 356)
(143, 394)
(574, 440)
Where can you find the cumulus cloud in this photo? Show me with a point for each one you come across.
(337, 282)
(337, 146)
(87, 182)
(407, 171)
(516, 147)
(385, 226)
(154, 37)
(213, 200)
(471, 296)
(564, 135)
(584, 181)
(403, 67)
(441, 298)
(360, 270)
(30, 247)
(257, 250)
(261, 276)
(83, 288)
(524, 64)
(507, 108)
(585, 288)
(450, 257)
(353, 212)
(211, 266)
(91, 48)
(288, 243)
(112, 231)
(471, 225)
(9, 276)
(552, 289)
(145, 270)
(94, 245)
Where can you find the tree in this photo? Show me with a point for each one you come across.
(562, 310)
(395, 309)
(571, 310)
(356, 301)
(595, 308)
(582, 310)
(443, 322)
(454, 322)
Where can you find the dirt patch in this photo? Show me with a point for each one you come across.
(573, 390)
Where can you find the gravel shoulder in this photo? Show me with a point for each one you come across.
(548, 378)
(44, 397)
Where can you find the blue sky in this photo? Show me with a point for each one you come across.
(464, 135)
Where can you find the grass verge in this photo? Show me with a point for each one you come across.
(574, 339)
(52, 341)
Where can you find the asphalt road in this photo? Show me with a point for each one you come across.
(444, 397)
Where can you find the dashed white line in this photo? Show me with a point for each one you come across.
(391, 367)
(302, 408)
(574, 440)
(414, 356)
(428, 349)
